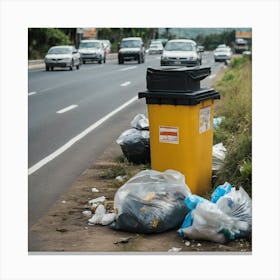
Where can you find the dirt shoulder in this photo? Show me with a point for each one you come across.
(65, 228)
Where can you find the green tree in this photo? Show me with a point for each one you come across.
(41, 39)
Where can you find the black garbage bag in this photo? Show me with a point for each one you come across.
(151, 202)
(135, 145)
(135, 142)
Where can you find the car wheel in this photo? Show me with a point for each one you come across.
(120, 61)
(84, 62)
(52, 68)
(100, 61)
(72, 65)
(47, 68)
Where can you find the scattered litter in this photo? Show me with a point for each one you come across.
(175, 249)
(108, 219)
(121, 178)
(97, 217)
(187, 243)
(63, 201)
(218, 156)
(94, 190)
(86, 227)
(151, 202)
(227, 216)
(62, 229)
(123, 240)
(100, 216)
(93, 206)
(100, 199)
(198, 244)
(217, 121)
(135, 142)
(87, 213)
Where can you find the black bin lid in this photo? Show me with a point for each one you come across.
(176, 78)
(179, 98)
(195, 73)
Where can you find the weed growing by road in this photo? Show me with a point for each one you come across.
(235, 131)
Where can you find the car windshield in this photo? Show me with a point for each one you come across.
(179, 46)
(59, 51)
(130, 44)
(106, 43)
(222, 50)
(89, 45)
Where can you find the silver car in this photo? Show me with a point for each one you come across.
(156, 48)
(92, 50)
(222, 54)
(180, 52)
(62, 56)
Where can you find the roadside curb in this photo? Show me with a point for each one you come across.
(39, 63)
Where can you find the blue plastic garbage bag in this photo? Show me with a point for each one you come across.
(227, 216)
(220, 191)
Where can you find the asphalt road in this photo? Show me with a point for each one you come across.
(74, 115)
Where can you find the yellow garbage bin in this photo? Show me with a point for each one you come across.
(181, 133)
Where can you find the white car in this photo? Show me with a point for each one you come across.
(222, 54)
(62, 56)
(156, 47)
(180, 52)
(92, 50)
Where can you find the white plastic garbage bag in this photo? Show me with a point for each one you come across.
(238, 205)
(218, 156)
(211, 223)
(151, 202)
(140, 122)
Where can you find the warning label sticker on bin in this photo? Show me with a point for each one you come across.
(204, 119)
(169, 134)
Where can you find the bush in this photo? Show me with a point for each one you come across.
(235, 131)
(41, 39)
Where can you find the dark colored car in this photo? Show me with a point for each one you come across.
(131, 49)
(240, 45)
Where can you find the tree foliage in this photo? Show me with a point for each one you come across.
(41, 39)
(211, 41)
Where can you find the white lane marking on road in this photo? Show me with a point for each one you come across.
(212, 76)
(71, 142)
(125, 84)
(32, 93)
(128, 68)
(66, 109)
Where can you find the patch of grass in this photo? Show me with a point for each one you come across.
(235, 131)
(121, 167)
